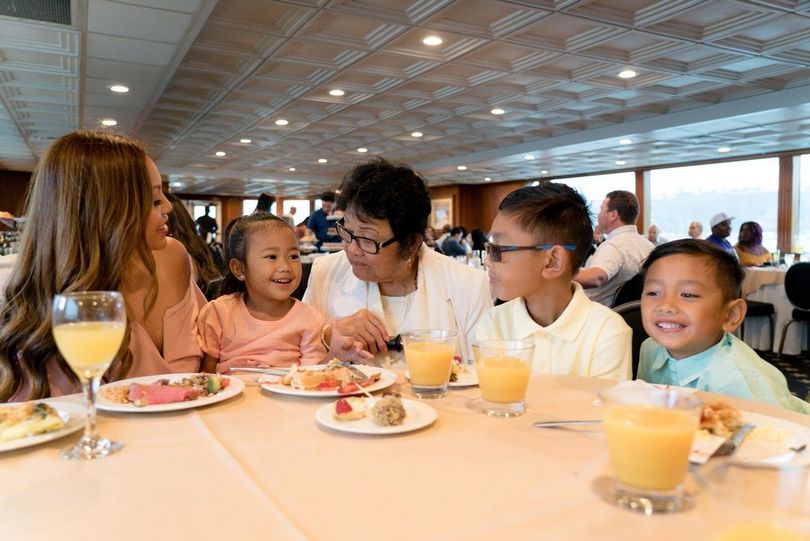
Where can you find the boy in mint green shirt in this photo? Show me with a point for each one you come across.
(689, 307)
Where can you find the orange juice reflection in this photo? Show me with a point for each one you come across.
(502, 379)
(759, 532)
(429, 363)
(649, 446)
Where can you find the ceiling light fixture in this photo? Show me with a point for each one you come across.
(292, 169)
(433, 41)
(416, 134)
(620, 162)
(121, 89)
(109, 122)
(362, 150)
(544, 172)
(281, 122)
(322, 160)
(246, 140)
(177, 184)
(336, 92)
(487, 179)
(461, 167)
(625, 141)
(528, 157)
(627, 74)
(724, 149)
(219, 153)
(535, 183)
(497, 111)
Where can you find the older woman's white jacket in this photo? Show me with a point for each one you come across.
(449, 295)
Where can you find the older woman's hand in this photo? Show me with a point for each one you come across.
(363, 327)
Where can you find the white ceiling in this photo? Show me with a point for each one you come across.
(205, 73)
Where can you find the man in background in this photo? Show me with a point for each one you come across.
(206, 225)
(721, 229)
(318, 222)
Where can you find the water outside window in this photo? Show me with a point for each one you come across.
(747, 190)
(594, 188)
(199, 210)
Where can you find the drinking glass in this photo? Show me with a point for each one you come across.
(503, 368)
(429, 355)
(88, 327)
(649, 435)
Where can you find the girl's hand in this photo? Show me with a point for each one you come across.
(363, 327)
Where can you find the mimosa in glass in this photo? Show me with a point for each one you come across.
(429, 355)
(503, 368)
(649, 435)
(88, 328)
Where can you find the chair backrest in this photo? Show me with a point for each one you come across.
(631, 313)
(629, 291)
(797, 285)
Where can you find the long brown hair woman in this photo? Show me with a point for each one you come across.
(96, 221)
(183, 228)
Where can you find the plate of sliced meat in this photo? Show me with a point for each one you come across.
(167, 392)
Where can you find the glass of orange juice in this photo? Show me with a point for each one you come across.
(649, 435)
(503, 368)
(429, 355)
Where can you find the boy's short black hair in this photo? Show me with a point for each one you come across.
(727, 270)
(555, 214)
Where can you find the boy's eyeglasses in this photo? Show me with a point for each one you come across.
(495, 251)
(367, 245)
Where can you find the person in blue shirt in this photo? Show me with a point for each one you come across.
(452, 245)
(721, 229)
(318, 222)
(690, 305)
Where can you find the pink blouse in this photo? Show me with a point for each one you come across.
(231, 334)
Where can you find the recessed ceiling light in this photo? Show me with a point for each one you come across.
(625, 141)
(724, 149)
(497, 111)
(322, 160)
(121, 89)
(620, 162)
(544, 172)
(292, 169)
(246, 140)
(336, 92)
(362, 149)
(528, 157)
(627, 74)
(461, 167)
(219, 153)
(433, 41)
(281, 122)
(109, 121)
(177, 184)
(416, 134)
(487, 179)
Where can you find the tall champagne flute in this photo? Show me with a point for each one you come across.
(88, 327)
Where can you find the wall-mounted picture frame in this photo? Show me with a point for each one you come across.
(441, 212)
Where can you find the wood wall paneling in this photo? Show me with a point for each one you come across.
(788, 202)
(13, 189)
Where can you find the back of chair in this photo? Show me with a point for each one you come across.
(629, 291)
(631, 313)
(797, 285)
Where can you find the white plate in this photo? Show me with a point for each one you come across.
(274, 385)
(467, 378)
(418, 415)
(73, 416)
(757, 450)
(234, 388)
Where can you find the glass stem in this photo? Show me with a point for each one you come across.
(90, 387)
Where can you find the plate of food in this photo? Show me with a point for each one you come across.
(376, 416)
(773, 442)
(32, 423)
(167, 392)
(329, 380)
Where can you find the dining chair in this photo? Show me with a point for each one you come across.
(760, 309)
(629, 291)
(631, 313)
(797, 289)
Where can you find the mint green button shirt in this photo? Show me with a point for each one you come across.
(729, 367)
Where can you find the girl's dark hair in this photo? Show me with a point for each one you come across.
(381, 190)
(727, 271)
(237, 235)
(183, 228)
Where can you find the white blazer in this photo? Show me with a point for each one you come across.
(449, 295)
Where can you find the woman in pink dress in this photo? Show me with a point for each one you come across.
(97, 221)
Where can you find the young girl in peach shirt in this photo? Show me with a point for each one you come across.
(256, 323)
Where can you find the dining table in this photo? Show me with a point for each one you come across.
(259, 466)
(767, 284)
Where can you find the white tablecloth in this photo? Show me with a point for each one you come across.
(259, 467)
(768, 285)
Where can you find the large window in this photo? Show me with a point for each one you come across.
(747, 190)
(595, 187)
(801, 241)
(297, 208)
(249, 205)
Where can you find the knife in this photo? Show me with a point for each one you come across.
(733, 442)
(564, 424)
(265, 371)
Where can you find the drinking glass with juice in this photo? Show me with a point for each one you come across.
(429, 355)
(503, 368)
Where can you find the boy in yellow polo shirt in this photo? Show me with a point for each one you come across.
(541, 237)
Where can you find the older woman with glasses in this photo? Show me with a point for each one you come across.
(386, 281)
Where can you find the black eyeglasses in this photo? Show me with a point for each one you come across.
(367, 245)
(495, 251)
